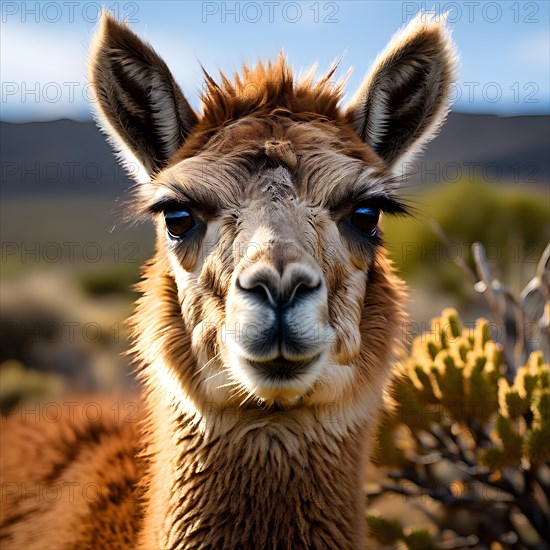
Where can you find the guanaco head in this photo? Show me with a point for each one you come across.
(267, 207)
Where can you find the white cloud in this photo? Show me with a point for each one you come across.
(43, 71)
(534, 50)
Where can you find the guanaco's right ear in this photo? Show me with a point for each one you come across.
(139, 105)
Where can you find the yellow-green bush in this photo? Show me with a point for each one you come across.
(455, 403)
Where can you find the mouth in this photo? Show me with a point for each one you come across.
(281, 369)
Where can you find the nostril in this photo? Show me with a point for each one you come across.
(303, 289)
(261, 291)
(258, 289)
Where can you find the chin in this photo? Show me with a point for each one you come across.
(270, 383)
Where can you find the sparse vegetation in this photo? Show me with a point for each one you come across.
(511, 222)
(471, 427)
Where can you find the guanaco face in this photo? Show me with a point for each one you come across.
(267, 208)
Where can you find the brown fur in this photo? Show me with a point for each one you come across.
(224, 457)
(69, 483)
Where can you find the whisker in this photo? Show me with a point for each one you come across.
(212, 376)
(228, 385)
(207, 364)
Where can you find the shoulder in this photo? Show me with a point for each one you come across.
(65, 465)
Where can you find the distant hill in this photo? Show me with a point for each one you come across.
(59, 157)
(72, 158)
(503, 149)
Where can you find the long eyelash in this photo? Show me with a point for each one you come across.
(206, 210)
(387, 204)
(161, 205)
(392, 206)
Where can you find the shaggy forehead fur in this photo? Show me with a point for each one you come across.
(265, 102)
(270, 86)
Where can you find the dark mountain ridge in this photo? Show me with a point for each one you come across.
(72, 158)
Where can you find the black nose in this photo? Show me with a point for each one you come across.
(267, 286)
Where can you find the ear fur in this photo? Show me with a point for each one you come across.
(139, 105)
(404, 99)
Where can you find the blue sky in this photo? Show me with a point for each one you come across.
(504, 46)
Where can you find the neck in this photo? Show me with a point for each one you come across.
(251, 478)
(237, 477)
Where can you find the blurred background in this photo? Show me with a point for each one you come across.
(68, 262)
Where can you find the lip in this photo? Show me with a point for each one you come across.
(283, 369)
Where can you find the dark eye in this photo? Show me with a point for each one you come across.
(366, 220)
(179, 221)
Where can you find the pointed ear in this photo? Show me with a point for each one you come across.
(404, 98)
(139, 105)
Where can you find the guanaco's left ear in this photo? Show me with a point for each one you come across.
(139, 104)
(404, 98)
